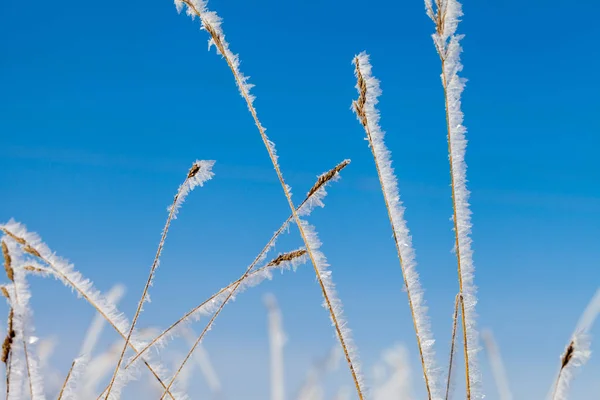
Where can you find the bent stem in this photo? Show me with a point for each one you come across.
(62, 389)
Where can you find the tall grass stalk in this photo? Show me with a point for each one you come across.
(63, 271)
(368, 115)
(211, 22)
(446, 16)
(199, 173)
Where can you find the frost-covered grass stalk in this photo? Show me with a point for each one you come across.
(578, 351)
(446, 16)
(211, 22)
(32, 245)
(277, 341)
(251, 276)
(497, 365)
(199, 173)
(368, 115)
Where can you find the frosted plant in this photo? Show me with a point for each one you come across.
(211, 22)
(21, 357)
(446, 15)
(32, 245)
(199, 173)
(70, 389)
(368, 115)
(578, 350)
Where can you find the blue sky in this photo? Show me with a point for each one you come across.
(103, 107)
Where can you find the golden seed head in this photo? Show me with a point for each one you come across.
(327, 176)
(287, 257)
(32, 251)
(10, 273)
(193, 171)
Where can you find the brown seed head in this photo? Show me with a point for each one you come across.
(568, 355)
(327, 176)
(287, 257)
(359, 104)
(13, 236)
(5, 292)
(31, 268)
(7, 344)
(32, 251)
(193, 171)
(10, 273)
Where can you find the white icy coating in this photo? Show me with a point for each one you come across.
(581, 341)
(24, 354)
(389, 183)
(64, 271)
(75, 379)
(204, 174)
(448, 46)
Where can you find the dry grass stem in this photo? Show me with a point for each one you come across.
(241, 83)
(64, 385)
(452, 344)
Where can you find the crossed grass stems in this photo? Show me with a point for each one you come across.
(459, 306)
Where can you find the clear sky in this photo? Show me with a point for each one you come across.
(105, 105)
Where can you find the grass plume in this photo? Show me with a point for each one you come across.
(446, 15)
(368, 115)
